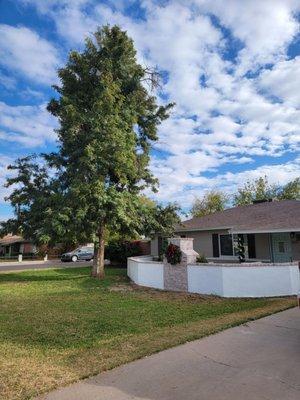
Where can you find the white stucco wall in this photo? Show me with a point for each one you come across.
(225, 280)
(244, 281)
(145, 272)
(205, 280)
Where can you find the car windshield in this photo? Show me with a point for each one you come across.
(79, 249)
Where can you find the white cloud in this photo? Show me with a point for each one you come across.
(281, 81)
(265, 28)
(277, 174)
(30, 126)
(182, 186)
(26, 53)
(8, 82)
(223, 116)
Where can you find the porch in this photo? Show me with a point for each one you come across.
(12, 245)
(226, 279)
(274, 247)
(228, 245)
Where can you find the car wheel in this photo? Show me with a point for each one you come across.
(74, 258)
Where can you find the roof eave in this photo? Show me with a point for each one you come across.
(237, 230)
(277, 230)
(217, 228)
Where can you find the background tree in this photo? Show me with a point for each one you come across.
(108, 122)
(212, 201)
(290, 191)
(260, 189)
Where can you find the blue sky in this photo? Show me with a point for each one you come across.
(232, 67)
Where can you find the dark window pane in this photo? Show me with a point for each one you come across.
(281, 247)
(215, 244)
(226, 245)
(251, 246)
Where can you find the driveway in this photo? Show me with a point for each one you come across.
(16, 266)
(255, 361)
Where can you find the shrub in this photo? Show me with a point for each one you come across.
(202, 259)
(173, 254)
(163, 249)
(120, 251)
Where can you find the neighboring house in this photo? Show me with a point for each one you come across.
(12, 245)
(270, 232)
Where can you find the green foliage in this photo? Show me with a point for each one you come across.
(108, 122)
(162, 219)
(260, 189)
(119, 251)
(59, 320)
(201, 259)
(291, 191)
(211, 202)
(173, 254)
(240, 248)
(163, 249)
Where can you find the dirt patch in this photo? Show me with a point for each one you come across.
(158, 294)
(121, 288)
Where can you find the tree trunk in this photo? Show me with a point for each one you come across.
(98, 264)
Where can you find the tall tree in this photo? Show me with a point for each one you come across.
(211, 202)
(108, 121)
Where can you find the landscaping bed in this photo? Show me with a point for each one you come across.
(60, 325)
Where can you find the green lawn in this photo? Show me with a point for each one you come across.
(60, 325)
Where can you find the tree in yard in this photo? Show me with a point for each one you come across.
(93, 183)
(260, 189)
(212, 201)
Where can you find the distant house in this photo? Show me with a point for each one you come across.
(12, 245)
(269, 231)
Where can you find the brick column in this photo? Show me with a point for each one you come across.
(175, 276)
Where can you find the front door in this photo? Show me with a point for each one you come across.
(281, 247)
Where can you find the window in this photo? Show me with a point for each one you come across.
(251, 246)
(281, 247)
(215, 245)
(226, 245)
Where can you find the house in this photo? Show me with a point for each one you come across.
(269, 231)
(12, 245)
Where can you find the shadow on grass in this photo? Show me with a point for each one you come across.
(59, 274)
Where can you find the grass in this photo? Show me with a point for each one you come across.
(60, 325)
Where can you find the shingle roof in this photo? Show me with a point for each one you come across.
(10, 239)
(277, 215)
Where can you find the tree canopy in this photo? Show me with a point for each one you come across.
(290, 191)
(261, 189)
(255, 190)
(108, 120)
(211, 202)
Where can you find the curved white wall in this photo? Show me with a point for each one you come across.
(145, 272)
(222, 280)
(246, 281)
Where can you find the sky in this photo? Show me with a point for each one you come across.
(232, 68)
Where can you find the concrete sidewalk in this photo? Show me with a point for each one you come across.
(256, 361)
